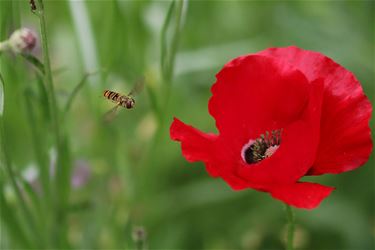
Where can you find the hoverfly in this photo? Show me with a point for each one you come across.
(125, 101)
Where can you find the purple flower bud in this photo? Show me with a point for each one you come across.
(81, 173)
(22, 40)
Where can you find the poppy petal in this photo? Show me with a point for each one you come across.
(254, 94)
(195, 145)
(199, 146)
(297, 150)
(345, 139)
(302, 194)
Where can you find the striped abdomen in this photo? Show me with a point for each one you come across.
(111, 95)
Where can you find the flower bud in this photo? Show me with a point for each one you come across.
(22, 40)
(139, 237)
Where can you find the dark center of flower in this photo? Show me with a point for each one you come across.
(262, 147)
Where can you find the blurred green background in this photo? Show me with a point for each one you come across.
(132, 175)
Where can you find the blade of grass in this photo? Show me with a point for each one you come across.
(39, 148)
(75, 91)
(63, 183)
(28, 216)
(48, 74)
(43, 98)
(86, 38)
(34, 61)
(167, 61)
(13, 225)
(62, 164)
(164, 51)
(39, 210)
(1, 95)
(88, 49)
(168, 56)
(175, 38)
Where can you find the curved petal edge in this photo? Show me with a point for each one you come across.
(305, 195)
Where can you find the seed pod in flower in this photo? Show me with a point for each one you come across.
(22, 40)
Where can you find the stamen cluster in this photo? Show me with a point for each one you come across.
(263, 147)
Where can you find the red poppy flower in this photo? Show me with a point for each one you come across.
(282, 113)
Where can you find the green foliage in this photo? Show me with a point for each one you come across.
(137, 175)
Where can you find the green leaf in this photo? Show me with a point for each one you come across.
(62, 187)
(169, 46)
(164, 50)
(77, 88)
(43, 97)
(1, 95)
(14, 227)
(39, 146)
(34, 61)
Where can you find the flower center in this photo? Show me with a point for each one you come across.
(262, 147)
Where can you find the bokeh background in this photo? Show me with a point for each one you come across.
(127, 179)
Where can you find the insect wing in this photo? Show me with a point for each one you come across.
(111, 114)
(138, 87)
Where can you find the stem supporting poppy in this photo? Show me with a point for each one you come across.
(290, 235)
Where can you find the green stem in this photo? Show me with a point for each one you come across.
(290, 236)
(34, 61)
(15, 230)
(28, 216)
(63, 164)
(75, 91)
(38, 147)
(48, 75)
(167, 60)
(164, 63)
(175, 39)
(168, 56)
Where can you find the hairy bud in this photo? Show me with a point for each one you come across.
(22, 40)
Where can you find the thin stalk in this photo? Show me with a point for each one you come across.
(5, 156)
(63, 164)
(168, 56)
(34, 61)
(167, 61)
(290, 235)
(164, 51)
(175, 38)
(75, 91)
(40, 155)
(15, 230)
(48, 74)
(28, 216)
(42, 160)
